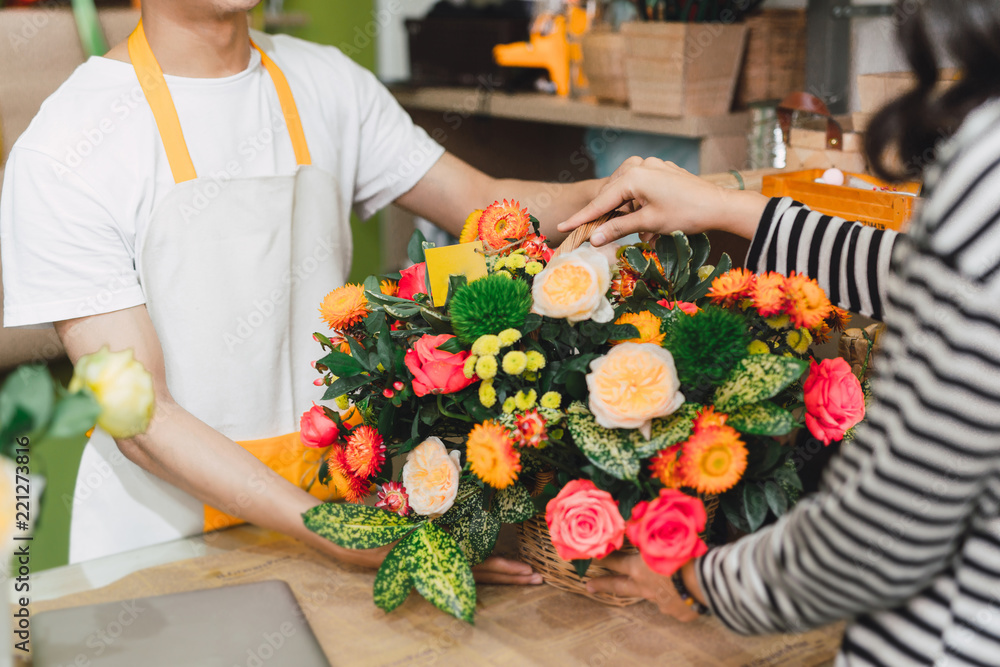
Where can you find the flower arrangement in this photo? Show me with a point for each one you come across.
(612, 393)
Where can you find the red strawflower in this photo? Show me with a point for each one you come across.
(392, 496)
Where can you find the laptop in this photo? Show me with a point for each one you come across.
(249, 625)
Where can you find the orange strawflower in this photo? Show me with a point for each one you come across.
(502, 223)
(664, 467)
(648, 325)
(350, 487)
(655, 259)
(365, 451)
(492, 456)
(624, 284)
(822, 334)
(713, 459)
(389, 287)
(339, 342)
(839, 318)
(769, 294)
(708, 418)
(344, 306)
(807, 304)
(731, 287)
(470, 231)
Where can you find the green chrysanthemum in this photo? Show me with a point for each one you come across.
(706, 348)
(488, 306)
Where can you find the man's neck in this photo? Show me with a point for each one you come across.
(195, 44)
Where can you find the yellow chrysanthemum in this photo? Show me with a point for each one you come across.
(505, 274)
(799, 340)
(758, 347)
(389, 287)
(500, 263)
(664, 467)
(778, 321)
(508, 405)
(769, 294)
(343, 403)
(470, 232)
(705, 271)
(344, 306)
(713, 460)
(486, 346)
(515, 362)
(469, 369)
(533, 268)
(731, 287)
(648, 325)
(491, 455)
(486, 367)
(807, 303)
(487, 394)
(517, 261)
(502, 222)
(508, 337)
(536, 360)
(525, 401)
(551, 400)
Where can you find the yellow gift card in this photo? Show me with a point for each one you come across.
(464, 259)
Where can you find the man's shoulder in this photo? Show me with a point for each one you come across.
(302, 58)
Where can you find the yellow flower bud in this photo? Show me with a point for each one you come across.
(469, 369)
(525, 401)
(508, 405)
(799, 340)
(500, 263)
(705, 271)
(487, 394)
(486, 367)
(122, 387)
(342, 402)
(514, 362)
(535, 360)
(505, 274)
(551, 400)
(758, 347)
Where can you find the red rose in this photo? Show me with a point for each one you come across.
(666, 530)
(316, 429)
(584, 522)
(685, 306)
(436, 371)
(412, 280)
(834, 400)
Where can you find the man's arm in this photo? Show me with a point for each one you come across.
(452, 189)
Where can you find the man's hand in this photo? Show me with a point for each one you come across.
(635, 579)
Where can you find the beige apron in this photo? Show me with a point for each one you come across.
(233, 274)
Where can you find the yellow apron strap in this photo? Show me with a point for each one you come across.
(154, 86)
(159, 99)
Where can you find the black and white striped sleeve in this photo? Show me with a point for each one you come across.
(848, 259)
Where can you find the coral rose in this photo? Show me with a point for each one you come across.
(834, 400)
(412, 280)
(633, 384)
(666, 530)
(316, 430)
(574, 287)
(430, 475)
(436, 371)
(584, 522)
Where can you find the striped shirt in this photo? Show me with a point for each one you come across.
(903, 538)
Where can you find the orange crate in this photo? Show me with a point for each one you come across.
(885, 210)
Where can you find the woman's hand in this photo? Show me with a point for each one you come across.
(635, 579)
(666, 198)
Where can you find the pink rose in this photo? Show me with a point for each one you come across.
(685, 306)
(666, 530)
(412, 280)
(436, 371)
(316, 429)
(834, 400)
(584, 522)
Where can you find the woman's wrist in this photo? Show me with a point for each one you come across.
(741, 212)
(689, 575)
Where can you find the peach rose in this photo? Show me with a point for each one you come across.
(665, 530)
(436, 371)
(584, 522)
(834, 400)
(633, 384)
(574, 287)
(431, 475)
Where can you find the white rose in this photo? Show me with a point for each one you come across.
(431, 475)
(574, 287)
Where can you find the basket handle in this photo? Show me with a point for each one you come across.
(581, 234)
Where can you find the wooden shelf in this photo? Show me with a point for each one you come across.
(541, 108)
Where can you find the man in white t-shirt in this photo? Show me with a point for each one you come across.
(188, 196)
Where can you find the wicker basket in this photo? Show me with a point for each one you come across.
(682, 69)
(775, 61)
(604, 65)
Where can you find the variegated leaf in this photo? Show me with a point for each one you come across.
(666, 432)
(356, 526)
(756, 378)
(513, 504)
(609, 449)
(393, 582)
(764, 418)
(439, 570)
(476, 535)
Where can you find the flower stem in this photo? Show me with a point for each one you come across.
(450, 415)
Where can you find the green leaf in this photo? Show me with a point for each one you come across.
(787, 474)
(74, 415)
(755, 505)
(341, 364)
(513, 504)
(476, 535)
(415, 248)
(359, 353)
(581, 566)
(636, 259)
(386, 420)
(700, 250)
(374, 322)
(764, 418)
(610, 450)
(755, 378)
(683, 271)
(732, 507)
(666, 250)
(453, 345)
(386, 350)
(439, 570)
(468, 498)
(356, 526)
(372, 284)
(776, 498)
(393, 582)
(455, 282)
(439, 322)
(402, 311)
(27, 398)
(346, 385)
(696, 290)
(665, 432)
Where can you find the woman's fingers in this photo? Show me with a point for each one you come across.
(611, 197)
(619, 586)
(497, 570)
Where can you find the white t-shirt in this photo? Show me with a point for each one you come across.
(82, 181)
